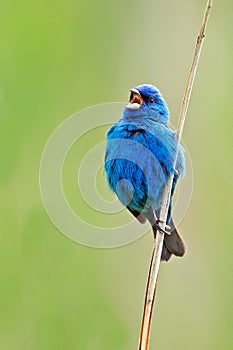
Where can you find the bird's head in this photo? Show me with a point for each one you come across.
(147, 102)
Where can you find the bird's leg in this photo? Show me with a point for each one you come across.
(155, 222)
(159, 228)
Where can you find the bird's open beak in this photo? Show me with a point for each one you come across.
(135, 99)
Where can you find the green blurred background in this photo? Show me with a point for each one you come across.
(57, 57)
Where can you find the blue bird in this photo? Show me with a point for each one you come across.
(139, 157)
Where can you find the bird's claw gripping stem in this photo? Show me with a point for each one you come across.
(159, 228)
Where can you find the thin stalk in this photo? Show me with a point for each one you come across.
(158, 244)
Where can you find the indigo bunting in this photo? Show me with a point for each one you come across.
(139, 157)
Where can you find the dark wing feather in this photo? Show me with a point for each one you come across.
(137, 215)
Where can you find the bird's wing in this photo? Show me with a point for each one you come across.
(137, 215)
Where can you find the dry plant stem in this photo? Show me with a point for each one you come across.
(157, 250)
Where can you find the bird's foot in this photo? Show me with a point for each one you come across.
(160, 229)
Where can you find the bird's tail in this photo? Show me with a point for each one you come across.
(172, 244)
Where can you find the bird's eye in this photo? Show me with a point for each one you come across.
(151, 100)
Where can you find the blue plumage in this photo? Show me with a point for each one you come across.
(140, 154)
